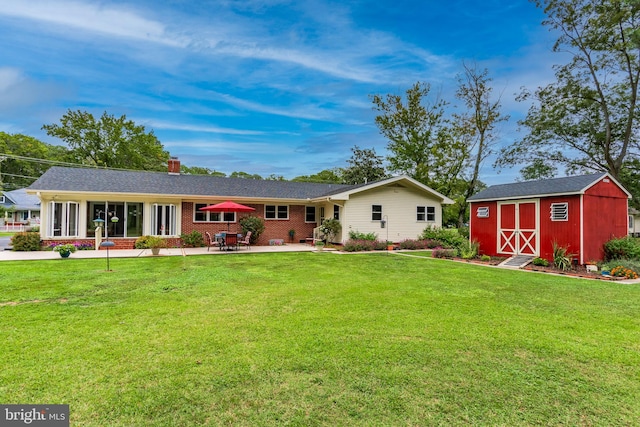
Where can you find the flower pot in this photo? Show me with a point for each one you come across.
(155, 251)
(65, 254)
(389, 247)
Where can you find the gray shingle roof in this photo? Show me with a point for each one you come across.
(20, 200)
(566, 185)
(118, 181)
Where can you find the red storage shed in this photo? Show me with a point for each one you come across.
(525, 218)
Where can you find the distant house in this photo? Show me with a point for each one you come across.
(168, 204)
(634, 222)
(526, 218)
(21, 208)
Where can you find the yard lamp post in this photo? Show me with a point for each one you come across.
(107, 243)
(383, 224)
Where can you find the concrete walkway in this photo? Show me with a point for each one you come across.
(137, 253)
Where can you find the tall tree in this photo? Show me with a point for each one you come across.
(364, 166)
(109, 142)
(328, 176)
(587, 120)
(420, 141)
(475, 128)
(24, 158)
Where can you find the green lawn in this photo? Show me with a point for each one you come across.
(317, 339)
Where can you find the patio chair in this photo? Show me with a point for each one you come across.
(210, 241)
(231, 241)
(246, 241)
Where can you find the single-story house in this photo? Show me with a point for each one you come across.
(21, 208)
(580, 213)
(168, 204)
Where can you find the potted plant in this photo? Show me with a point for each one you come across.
(156, 243)
(319, 245)
(292, 234)
(65, 249)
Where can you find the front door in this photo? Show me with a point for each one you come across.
(518, 228)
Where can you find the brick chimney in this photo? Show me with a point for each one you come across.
(174, 166)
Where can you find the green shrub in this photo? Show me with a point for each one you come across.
(561, 257)
(622, 248)
(445, 253)
(356, 235)
(148, 242)
(192, 240)
(630, 264)
(26, 241)
(485, 258)
(331, 228)
(541, 262)
(358, 245)
(448, 237)
(410, 244)
(469, 250)
(253, 224)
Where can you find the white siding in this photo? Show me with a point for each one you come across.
(399, 209)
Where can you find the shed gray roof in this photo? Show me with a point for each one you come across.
(139, 182)
(518, 190)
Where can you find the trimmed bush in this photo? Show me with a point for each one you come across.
(540, 262)
(192, 240)
(356, 235)
(253, 224)
(358, 245)
(26, 241)
(445, 253)
(622, 248)
(448, 237)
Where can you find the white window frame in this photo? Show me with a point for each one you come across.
(69, 224)
(307, 211)
(276, 213)
(482, 212)
(168, 226)
(217, 217)
(375, 213)
(425, 213)
(559, 211)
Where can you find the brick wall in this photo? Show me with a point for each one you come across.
(273, 229)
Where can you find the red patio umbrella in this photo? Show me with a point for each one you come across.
(227, 206)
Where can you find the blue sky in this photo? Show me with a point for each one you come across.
(266, 87)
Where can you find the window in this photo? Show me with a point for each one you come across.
(163, 220)
(276, 212)
(2, 199)
(482, 212)
(310, 214)
(206, 216)
(336, 212)
(376, 212)
(427, 213)
(559, 211)
(630, 222)
(63, 220)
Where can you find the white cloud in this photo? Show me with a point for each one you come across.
(111, 21)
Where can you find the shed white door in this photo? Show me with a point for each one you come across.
(518, 228)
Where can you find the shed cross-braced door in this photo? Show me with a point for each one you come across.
(518, 228)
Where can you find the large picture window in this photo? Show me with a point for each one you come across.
(63, 220)
(130, 218)
(276, 212)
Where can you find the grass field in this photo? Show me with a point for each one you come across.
(317, 339)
